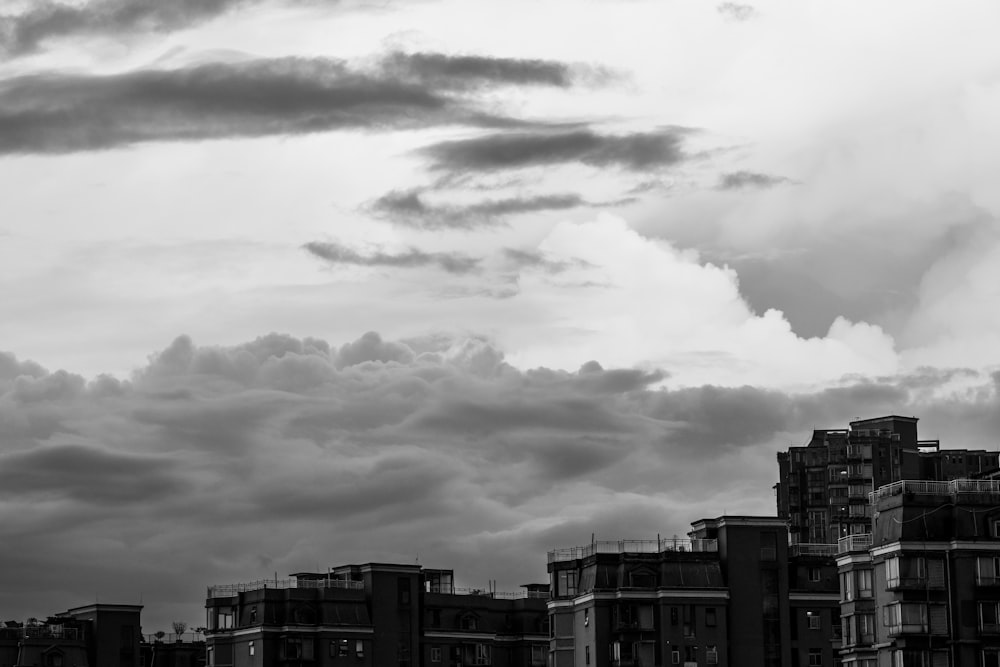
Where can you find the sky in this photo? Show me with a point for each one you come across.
(289, 284)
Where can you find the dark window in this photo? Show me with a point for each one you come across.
(710, 619)
(253, 614)
(127, 636)
(403, 586)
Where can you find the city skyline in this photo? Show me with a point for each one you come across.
(296, 283)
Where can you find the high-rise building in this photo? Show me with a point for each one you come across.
(823, 486)
(923, 589)
(732, 593)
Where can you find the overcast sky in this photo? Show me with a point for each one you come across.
(292, 284)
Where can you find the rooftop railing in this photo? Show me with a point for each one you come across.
(815, 549)
(503, 595)
(50, 632)
(663, 545)
(173, 638)
(950, 488)
(860, 542)
(231, 590)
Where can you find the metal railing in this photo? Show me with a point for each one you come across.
(812, 549)
(173, 637)
(860, 542)
(663, 545)
(50, 632)
(923, 488)
(502, 595)
(231, 590)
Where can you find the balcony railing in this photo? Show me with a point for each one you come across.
(897, 629)
(231, 590)
(861, 542)
(807, 549)
(949, 488)
(502, 595)
(663, 545)
(50, 632)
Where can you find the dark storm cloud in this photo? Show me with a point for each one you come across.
(736, 12)
(59, 112)
(411, 258)
(516, 150)
(749, 179)
(408, 207)
(298, 448)
(25, 32)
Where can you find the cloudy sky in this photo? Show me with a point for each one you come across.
(288, 284)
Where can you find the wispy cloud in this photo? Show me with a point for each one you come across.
(410, 258)
(70, 112)
(533, 259)
(25, 32)
(749, 179)
(515, 150)
(735, 11)
(408, 207)
(444, 71)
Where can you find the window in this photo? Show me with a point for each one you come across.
(482, 656)
(815, 574)
(988, 570)
(768, 545)
(710, 617)
(250, 648)
(866, 628)
(403, 590)
(359, 649)
(343, 648)
(905, 617)
(296, 648)
(586, 618)
(537, 654)
(815, 623)
(210, 657)
(435, 654)
(864, 581)
(989, 617)
(54, 659)
(566, 583)
(991, 658)
(711, 655)
(470, 622)
(127, 636)
(675, 657)
(847, 590)
(253, 615)
(815, 657)
(905, 571)
(674, 614)
(586, 651)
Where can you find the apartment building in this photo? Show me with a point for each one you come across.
(97, 635)
(823, 486)
(732, 593)
(374, 615)
(923, 589)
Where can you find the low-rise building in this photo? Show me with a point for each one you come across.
(375, 615)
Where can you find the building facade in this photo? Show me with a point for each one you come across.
(97, 635)
(923, 589)
(732, 593)
(376, 615)
(823, 486)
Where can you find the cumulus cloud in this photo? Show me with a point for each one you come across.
(749, 179)
(410, 208)
(217, 464)
(410, 258)
(517, 150)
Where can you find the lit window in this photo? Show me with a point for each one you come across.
(815, 623)
(711, 655)
(359, 648)
(250, 647)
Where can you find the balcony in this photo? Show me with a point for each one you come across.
(899, 629)
(814, 549)
(852, 543)
(231, 590)
(50, 632)
(951, 488)
(913, 583)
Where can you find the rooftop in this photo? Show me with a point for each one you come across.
(954, 488)
(662, 545)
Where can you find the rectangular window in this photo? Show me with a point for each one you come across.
(815, 657)
(815, 574)
(991, 658)
(866, 628)
(482, 656)
(710, 617)
(586, 650)
(359, 648)
(675, 657)
(989, 617)
(768, 545)
(250, 647)
(815, 623)
(403, 590)
(711, 655)
(864, 581)
(566, 583)
(537, 655)
(905, 617)
(210, 657)
(988, 570)
(435, 654)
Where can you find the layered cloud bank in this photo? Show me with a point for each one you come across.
(282, 454)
